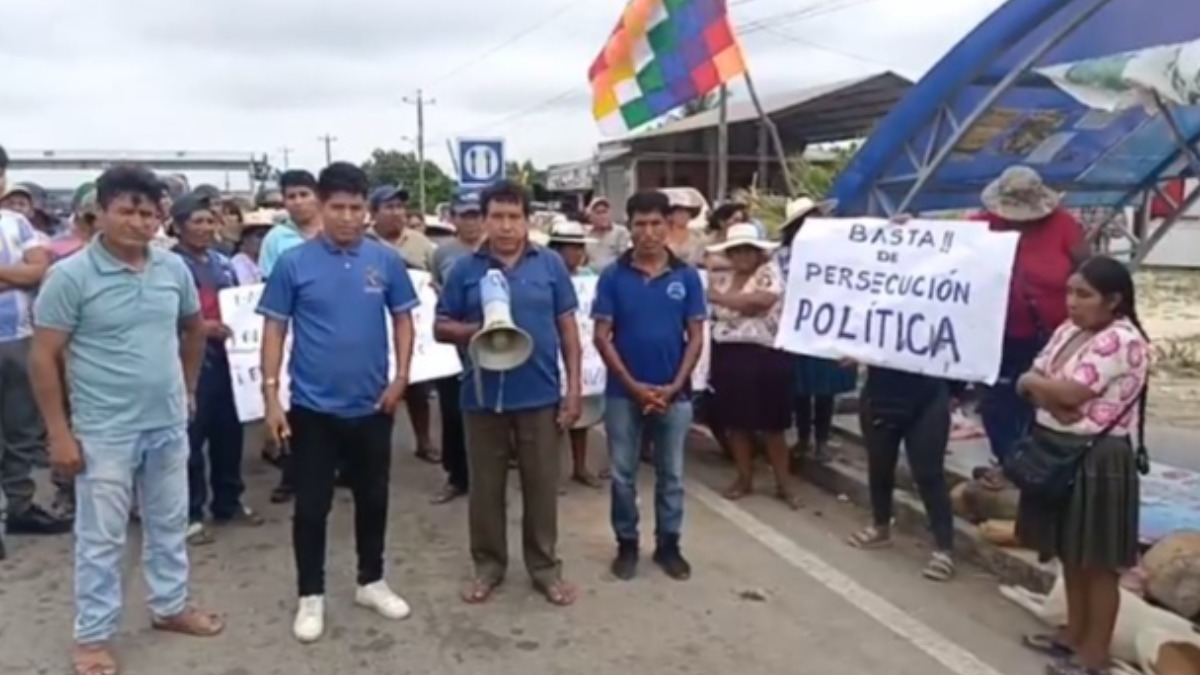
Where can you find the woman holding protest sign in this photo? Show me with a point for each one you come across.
(900, 407)
(818, 381)
(1088, 386)
(751, 380)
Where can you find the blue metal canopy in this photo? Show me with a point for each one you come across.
(985, 107)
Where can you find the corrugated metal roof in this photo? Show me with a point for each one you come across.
(838, 110)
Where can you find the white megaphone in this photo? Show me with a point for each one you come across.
(500, 345)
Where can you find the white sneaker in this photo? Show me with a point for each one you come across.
(310, 618)
(379, 597)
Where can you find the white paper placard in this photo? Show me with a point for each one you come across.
(927, 296)
(431, 360)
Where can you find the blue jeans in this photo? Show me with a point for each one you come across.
(1006, 416)
(623, 423)
(156, 461)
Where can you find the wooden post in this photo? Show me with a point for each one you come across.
(774, 133)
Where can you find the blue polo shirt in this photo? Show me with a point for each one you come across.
(649, 318)
(337, 300)
(542, 292)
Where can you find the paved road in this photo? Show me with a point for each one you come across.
(827, 608)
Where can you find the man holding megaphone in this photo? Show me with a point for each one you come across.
(511, 304)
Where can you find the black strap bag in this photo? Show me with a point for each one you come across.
(1046, 469)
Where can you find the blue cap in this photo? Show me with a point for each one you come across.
(382, 195)
(466, 201)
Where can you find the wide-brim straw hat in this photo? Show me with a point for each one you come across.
(805, 206)
(569, 232)
(1020, 195)
(743, 234)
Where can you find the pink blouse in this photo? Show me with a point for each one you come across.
(1114, 364)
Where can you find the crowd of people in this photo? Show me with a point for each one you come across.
(113, 368)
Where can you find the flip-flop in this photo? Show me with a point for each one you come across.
(559, 593)
(1046, 644)
(192, 622)
(98, 660)
(588, 480)
(870, 538)
(478, 591)
(736, 492)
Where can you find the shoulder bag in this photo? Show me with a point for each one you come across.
(1047, 470)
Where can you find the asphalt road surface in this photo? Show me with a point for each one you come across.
(773, 592)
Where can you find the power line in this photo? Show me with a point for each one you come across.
(508, 42)
(788, 37)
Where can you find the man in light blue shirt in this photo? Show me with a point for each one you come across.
(124, 318)
(303, 223)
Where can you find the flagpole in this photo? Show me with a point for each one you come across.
(723, 145)
(773, 131)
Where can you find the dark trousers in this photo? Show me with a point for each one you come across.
(814, 418)
(22, 434)
(454, 441)
(489, 446)
(215, 427)
(318, 442)
(1005, 414)
(924, 428)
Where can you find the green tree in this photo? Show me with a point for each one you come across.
(393, 167)
(525, 173)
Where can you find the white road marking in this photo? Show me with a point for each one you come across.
(940, 648)
(937, 646)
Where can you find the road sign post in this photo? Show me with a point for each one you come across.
(480, 162)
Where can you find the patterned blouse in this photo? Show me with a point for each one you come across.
(732, 326)
(1113, 363)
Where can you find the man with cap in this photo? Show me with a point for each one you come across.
(82, 226)
(468, 231)
(214, 425)
(389, 216)
(390, 220)
(1051, 244)
(608, 239)
(29, 200)
(23, 264)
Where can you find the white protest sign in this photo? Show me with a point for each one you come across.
(431, 360)
(595, 375)
(927, 296)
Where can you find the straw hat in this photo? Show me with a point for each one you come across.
(805, 206)
(1019, 195)
(569, 232)
(743, 234)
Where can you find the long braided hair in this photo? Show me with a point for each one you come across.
(1112, 279)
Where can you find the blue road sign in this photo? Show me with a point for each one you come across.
(480, 161)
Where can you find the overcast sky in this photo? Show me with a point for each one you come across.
(261, 75)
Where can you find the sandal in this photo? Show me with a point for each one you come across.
(1069, 666)
(479, 591)
(95, 659)
(1047, 644)
(190, 621)
(939, 568)
(789, 497)
(199, 535)
(447, 494)
(587, 480)
(737, 491)
(559, 593)
(429, 455)
(871, 537)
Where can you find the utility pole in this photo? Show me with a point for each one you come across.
(287, 154)
(328, 140)
(420, 102)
